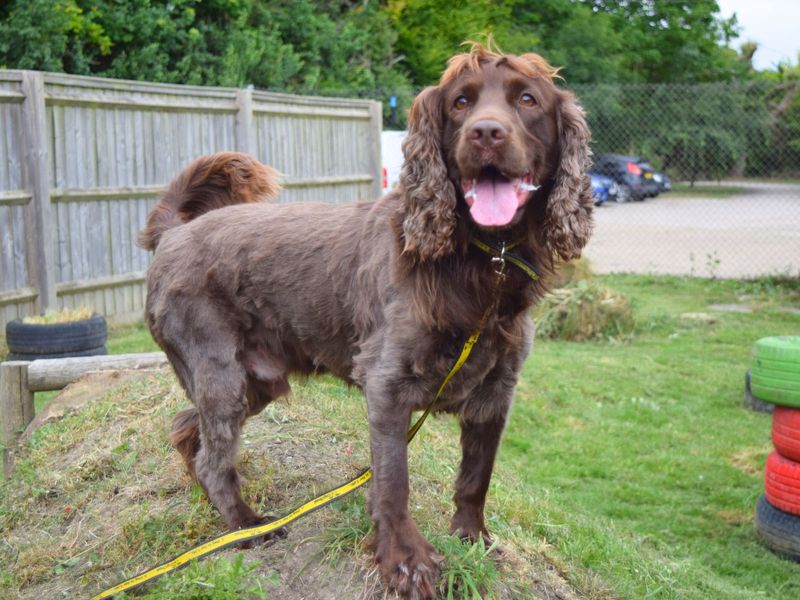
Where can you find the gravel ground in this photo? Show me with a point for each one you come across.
(752, 233)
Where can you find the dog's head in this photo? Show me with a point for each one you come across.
(496, 136)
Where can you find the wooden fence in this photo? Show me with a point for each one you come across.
(83, 159)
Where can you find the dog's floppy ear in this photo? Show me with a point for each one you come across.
(430, 198)
(568, 219)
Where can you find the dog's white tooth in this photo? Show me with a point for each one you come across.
(470, 193)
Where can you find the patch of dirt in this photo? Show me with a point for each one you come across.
(99, 496)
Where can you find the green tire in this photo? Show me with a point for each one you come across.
(775, 375)
(785, 348)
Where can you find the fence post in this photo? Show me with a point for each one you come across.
(16, 408)
(41, 248)
(376, 127)
(245, 128)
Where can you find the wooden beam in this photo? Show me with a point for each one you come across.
(245, 127)
(38, 219)
(98, 193)
(100, 283)
(56, 373)
(15, 198)
(16, 408)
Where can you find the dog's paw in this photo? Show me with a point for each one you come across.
(416, 577)
(409, 564)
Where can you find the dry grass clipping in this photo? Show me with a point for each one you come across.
(65, 315)
(585, 311)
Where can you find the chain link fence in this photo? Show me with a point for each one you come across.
(731, 152)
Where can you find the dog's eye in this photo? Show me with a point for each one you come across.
(461, 103)
(527, 100)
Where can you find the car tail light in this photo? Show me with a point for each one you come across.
(384, 178)
(633, 168)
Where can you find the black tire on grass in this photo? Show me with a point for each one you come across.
(99, 350)
(56, 338)
(750, 401)
(777, 530)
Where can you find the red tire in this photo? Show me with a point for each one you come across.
(782, 483)
(786, 432)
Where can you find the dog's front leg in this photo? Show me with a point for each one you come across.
(408, 563)
(479, 442)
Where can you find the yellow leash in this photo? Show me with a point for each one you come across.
(242, 535)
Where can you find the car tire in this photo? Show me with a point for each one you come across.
(786, 432)
(97, 351)
(782, 483)
(624, 193)
(776, 370)
(56, 338)
(780, 349)
(750, 401)
(777, 530)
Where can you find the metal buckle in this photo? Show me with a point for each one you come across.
(499, 262)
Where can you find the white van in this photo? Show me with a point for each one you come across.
(391, 158)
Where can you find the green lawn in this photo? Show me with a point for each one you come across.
(631, 466)
(644, 449)
(647, 465)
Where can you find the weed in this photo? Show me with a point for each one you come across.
(219, 579)
(585, 311)
(469, 570)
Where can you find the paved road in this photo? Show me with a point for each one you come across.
(756, 232)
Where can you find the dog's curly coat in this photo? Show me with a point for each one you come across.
(378, 293)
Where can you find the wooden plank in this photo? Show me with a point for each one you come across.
(18, 296)
(56, 373)
(15, 198)
(140, 104)
(100, 283)
(9, 97)
(16, 408)
(41, 248)
(245, 128)
(374, 149)
(333, 180)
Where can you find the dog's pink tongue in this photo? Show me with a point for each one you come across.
(495, 202)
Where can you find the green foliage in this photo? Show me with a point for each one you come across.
(584, 311)
(220, 579)
(294, 45)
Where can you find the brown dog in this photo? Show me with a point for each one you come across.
(379, 293)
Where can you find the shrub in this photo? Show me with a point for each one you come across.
(585, 311)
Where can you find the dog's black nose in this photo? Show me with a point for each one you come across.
(487, 133)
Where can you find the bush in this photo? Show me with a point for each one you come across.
(585, 311)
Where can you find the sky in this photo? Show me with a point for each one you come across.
(774, 24)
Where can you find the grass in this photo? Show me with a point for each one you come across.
(65, 315)
(629, 469)
(718, 191)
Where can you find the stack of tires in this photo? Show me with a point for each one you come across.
(775, 378)
(29, 341)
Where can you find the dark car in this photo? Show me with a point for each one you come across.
(632, 174)
(663, 181)
(603, 188)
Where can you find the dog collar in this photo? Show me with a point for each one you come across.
(501, 254)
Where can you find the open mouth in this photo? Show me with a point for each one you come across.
(493, 198)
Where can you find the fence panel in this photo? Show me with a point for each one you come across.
(108, 148)
(17, 297)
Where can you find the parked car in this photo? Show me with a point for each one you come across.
(632, 174)
(603, 188)
(663, 181)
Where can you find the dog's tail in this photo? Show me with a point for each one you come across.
(210, 182)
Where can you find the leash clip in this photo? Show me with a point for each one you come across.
(499, 262)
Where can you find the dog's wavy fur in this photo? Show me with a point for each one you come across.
(242, 293)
